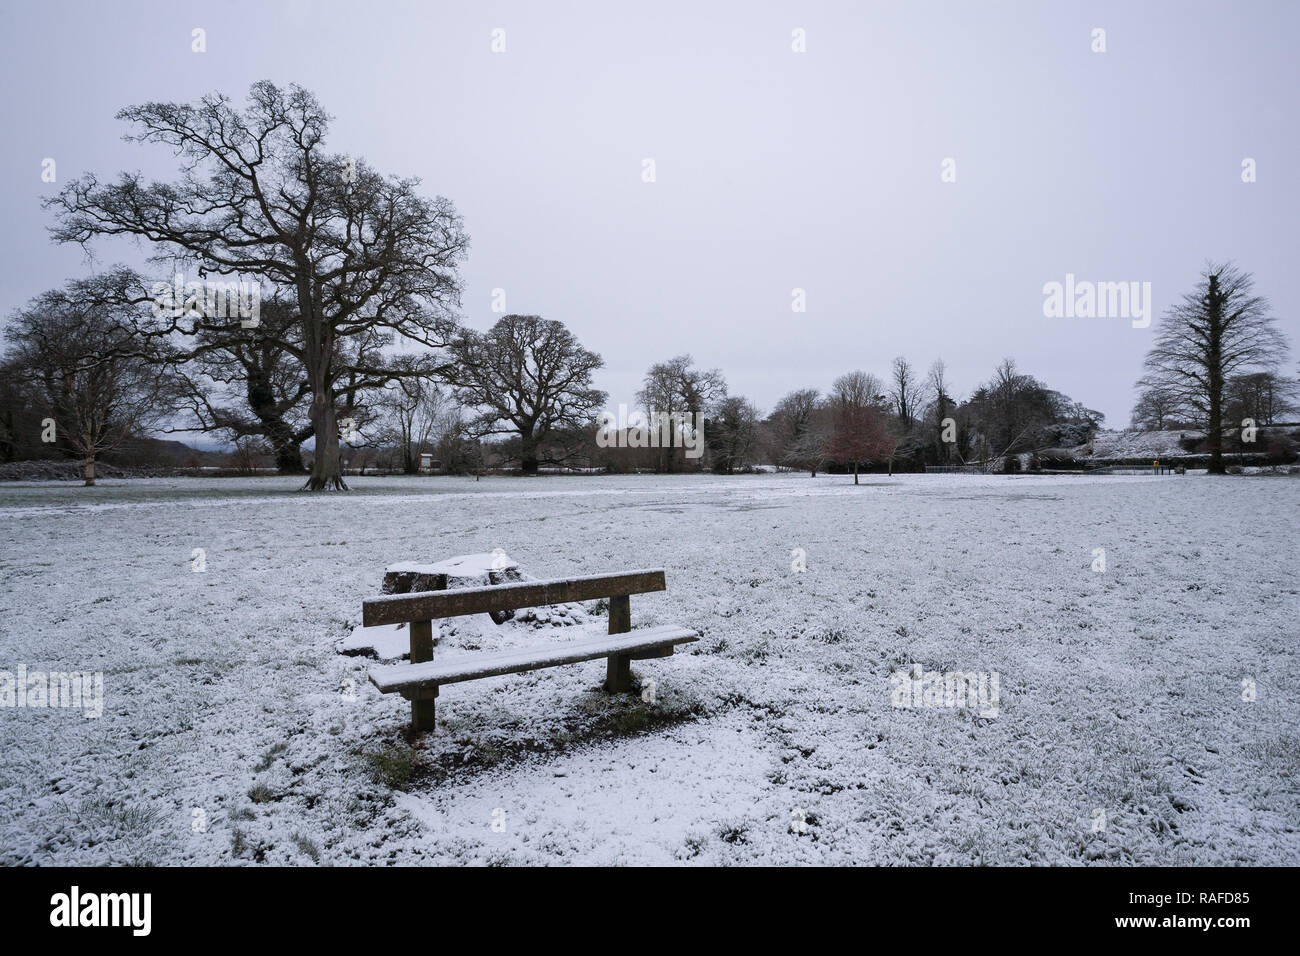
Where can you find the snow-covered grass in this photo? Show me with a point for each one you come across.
(1121, 692)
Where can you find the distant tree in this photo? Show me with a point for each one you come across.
(1218, 330)
(1263, 397)
(860, 436)
(415, 415)
(1156, 409)
(20, 423)
(860, 389)
(941, 408)
(676, 387)
(860, 433)
(526, 376)
(454, 446)
(250, 453)
(71, 348)
(1012, 413)
(809, 449)
(905, 392)
(732, 434)
(258, 195)
(799, 429)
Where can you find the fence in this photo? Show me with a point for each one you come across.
(991, 469)
(985, 468)
(1133, 470)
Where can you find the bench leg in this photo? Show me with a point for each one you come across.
(618, 667)
(618, 673)
(422, 701)
(422, 708)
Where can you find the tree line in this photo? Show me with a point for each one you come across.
(356, 346)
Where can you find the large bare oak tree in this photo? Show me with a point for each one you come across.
(526, 376)
(259, 196)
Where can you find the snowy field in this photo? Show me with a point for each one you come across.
(1120, 692)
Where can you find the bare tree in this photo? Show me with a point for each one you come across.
(733, 433)
(71, 348)
(1157, 408)
(677, 388)
(943, 406)
(800, 428)
(1218, 330)
(1009, 412)
(861, 389)
(258, 195)
(526, 376)
(249, 454)
(905, 392)
(418, 414)
(1266, 398)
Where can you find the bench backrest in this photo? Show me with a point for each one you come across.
(429, 605)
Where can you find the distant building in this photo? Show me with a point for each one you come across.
(428, 464)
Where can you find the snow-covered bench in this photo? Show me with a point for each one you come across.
(419, 680)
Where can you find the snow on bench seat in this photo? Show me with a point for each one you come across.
(406, 677)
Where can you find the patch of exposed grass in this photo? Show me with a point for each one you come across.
(268, 758)
(260, 793)
(393, 765)
(307, 847)
(734, 833)
(120, 819)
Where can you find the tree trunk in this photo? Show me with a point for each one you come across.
(88, 471)
(1214, 376)
(1214, 429)
(318, 353)
(326, 468)
(528, 454)
(855, 471)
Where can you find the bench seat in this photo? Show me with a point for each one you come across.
(419, 680)
(648, 642)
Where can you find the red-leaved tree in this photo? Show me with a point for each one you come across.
(860, 432)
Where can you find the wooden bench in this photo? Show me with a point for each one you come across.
(419, 680)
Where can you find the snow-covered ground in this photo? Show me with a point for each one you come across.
(1143, 445)
(233, 729)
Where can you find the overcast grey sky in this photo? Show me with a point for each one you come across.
(775, 170)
